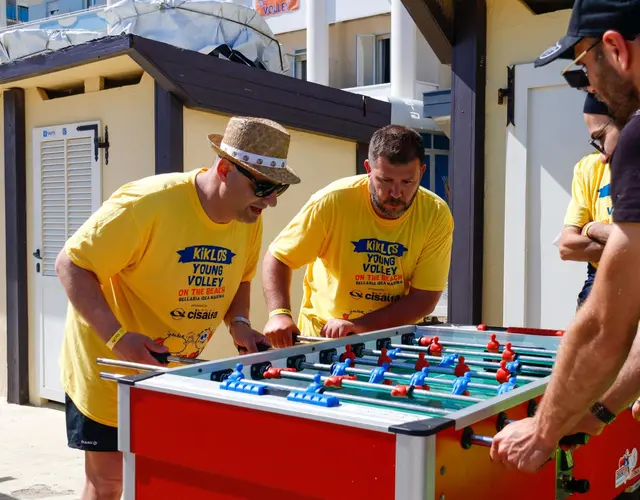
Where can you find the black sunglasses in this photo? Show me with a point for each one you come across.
(578, 78)
(594, 142)
(262, 189)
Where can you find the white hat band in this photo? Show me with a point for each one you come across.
(267, 161)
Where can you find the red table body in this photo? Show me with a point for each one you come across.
(191, 448)
(194, 449)
(610, 460)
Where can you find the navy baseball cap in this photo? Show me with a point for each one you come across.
(592, 19)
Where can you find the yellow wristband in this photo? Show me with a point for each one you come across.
(116, 337)
(275, 312)
(585, 229)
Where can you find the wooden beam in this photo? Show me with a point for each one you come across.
(466, 171)
(206, 83)
(436, 27)
(15, 210)
(69, 57)
(169, 136)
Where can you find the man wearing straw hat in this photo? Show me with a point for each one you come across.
(377, 247)
(157, 269)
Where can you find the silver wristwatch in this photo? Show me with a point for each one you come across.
(240, 319)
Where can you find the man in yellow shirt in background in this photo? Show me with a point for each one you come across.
(157, 269)
(587, 222)
(377, 247)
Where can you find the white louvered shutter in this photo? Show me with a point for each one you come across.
(69, 186)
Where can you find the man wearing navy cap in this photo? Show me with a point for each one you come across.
(587, 222)
(597, 371)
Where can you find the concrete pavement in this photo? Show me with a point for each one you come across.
(35, 462)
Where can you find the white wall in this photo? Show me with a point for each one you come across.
(337, 11)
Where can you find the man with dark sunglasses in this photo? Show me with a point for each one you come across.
(587, 223)
(597, 371)
(155, 271)
(377, 248)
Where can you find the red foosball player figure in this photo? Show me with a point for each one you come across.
(493, 345)
(348, 354)
(425, 341)
(336, 380)
(503, 375)
(435, 349)
(421, 363)
(384, 358)
(461, 368)
(401, 391)
(508, 354)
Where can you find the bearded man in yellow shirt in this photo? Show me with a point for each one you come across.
(157, 269)
(377, 248)
(587, 222)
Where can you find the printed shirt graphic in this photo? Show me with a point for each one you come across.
(167, 271)
(590, 193)
(357, 261)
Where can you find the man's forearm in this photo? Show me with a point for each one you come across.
(597, 343)
(586, 366)
(626, 388)
(241, 303)
(409, 309)
(276, 283)
(599, 232)
(576, 247)
(85, 294)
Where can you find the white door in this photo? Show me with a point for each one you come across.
(66, 192)
(548, 139)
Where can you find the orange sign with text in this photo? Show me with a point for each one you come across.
(272, 7)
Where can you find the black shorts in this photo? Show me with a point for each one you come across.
(86, 434)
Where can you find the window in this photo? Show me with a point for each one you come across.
(299, 64)
(373, 59)
(436, 175)
(53, 8)
(383, 58)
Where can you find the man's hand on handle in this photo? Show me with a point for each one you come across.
(519, 446)
(135, 347)
(335, 328)
(636, 410)
(247, 338)
(279, 330)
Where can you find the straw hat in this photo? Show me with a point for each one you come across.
(258, 145)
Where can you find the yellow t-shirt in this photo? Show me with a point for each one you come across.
(357, 261)
(166, 270)
(590, 193)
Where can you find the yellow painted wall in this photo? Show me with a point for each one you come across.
(129, 114)
(514, 36)
(3, 280)
(317, 159)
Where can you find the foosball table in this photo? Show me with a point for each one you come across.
(405, 414)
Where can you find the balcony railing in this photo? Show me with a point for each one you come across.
(18, 13)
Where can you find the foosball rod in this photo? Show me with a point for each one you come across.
(400, 377)
(480, 354)
(481, 364)
(520, 349)
(363, 399)
(444, 371)
(385, 389)
(469, 438)
(131, 365)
